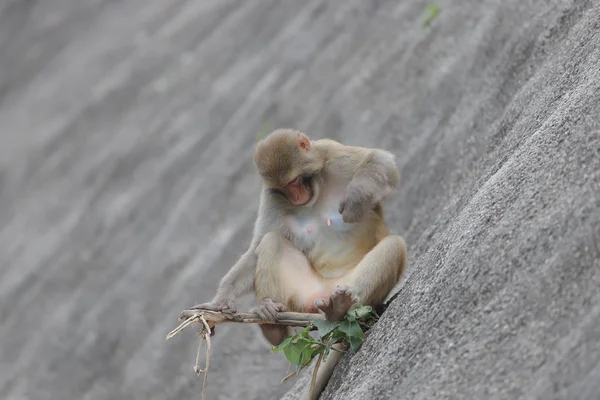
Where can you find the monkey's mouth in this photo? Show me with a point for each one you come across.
(303, 196)
(303, 193)
(300, 192)
(313, 189)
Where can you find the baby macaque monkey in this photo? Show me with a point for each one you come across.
(320, 241)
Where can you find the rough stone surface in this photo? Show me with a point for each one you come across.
(127, 189)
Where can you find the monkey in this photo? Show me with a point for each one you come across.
(320, 242)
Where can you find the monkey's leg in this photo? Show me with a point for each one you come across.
(379, 271)
(370, 281)
(283, 276)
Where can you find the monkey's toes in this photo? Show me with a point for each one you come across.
(342, 299)
(216, 306)
(207, 306)
(324, 304)
(337, 305)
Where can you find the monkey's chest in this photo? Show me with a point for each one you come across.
(307, 230)
(330, 245)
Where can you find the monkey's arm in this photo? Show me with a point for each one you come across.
(375, 174)
(237, 282)
(240, 278)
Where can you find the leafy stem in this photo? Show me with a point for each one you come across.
(301, 348)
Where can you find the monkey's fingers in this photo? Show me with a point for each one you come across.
(351, 209)
(231, 306)
(278, 307)
(342, 206)
(274, 311)
(353, 213)
(269, 310)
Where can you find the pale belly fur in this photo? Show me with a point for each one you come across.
(331, 246)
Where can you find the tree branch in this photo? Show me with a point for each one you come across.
(213, 318)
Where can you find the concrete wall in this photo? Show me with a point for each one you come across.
(127, 189)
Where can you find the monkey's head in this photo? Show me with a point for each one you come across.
(289, 166)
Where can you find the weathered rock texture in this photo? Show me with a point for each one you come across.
(127, 189)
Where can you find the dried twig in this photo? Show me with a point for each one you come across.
(288, 376)
(210, 318)
(206, 336)
(215, 317)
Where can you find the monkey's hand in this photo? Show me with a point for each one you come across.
(268, 309)
(217, 304)
(353, 207)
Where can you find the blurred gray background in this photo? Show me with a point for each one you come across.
(127, 189)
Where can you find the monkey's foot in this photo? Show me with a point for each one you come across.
(218, 305)
(268, 309)
(337, 305)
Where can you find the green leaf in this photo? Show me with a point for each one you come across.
(355, 343)
(324, 327)
(283, 344)
(307, 354)
(354, 333)
(317, 350)
(362, 312)
(351, 328)
(337, 334)
(299, 349)
(293, 354)
(432, 11)
(305, 333)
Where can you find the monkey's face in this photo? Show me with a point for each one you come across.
(299, 191)
(288, 166)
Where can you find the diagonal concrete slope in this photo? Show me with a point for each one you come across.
(503, 297)
(127, 190)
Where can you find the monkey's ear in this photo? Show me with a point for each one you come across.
(303, 142)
